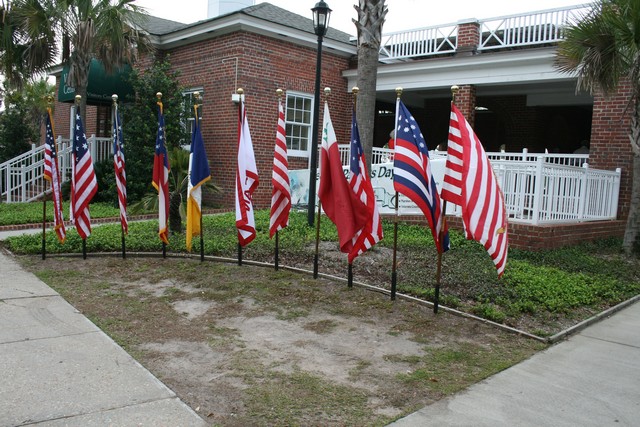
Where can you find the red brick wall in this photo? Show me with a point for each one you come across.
(466, 102)
(539, 237)
(610, 147)
(263, 65)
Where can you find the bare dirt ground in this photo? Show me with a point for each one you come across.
(247, 345)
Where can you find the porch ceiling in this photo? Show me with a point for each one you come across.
(527, 72)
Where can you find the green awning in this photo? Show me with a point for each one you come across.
(101, 85)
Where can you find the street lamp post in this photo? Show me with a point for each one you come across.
(321, 14)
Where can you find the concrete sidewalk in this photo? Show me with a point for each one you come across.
(592, 379)
(58, 369)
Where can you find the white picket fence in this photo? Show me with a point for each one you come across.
(538, 188)
(21, 178)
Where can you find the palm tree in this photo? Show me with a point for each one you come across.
(603, 49)
(178, 185)
(371, 15)
(84, 29)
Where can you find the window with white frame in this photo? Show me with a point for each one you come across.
(298, 119)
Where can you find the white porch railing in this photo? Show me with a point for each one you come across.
(538, 188)
(21, 178)
(422, 42)
(535, 28)
(514, 31)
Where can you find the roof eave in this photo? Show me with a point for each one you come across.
(238, 22)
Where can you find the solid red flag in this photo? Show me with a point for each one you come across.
(339, 202)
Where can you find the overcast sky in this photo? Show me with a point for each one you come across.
(403, 14)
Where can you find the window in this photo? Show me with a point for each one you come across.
(298, 118)
(189, 101)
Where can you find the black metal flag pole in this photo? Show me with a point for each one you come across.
(44, 221)
(114, 119)
(394, 267)
(436, 299)
(394, 264)
(354, 91)
(279, 93)
(195, 109)
(315, 258)
(327, 92)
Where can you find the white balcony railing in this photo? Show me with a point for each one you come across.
(534, 28)
(506, 32)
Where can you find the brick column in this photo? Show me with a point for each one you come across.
(610, 147)
(466, 102)
(468, 37)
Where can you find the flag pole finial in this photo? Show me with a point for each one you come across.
(279, 93)
(454, 91)
(399, 92)
(240, 91)
(114, 97)
(327, 91)
(49, 99)
(355, 91)
(78, 98)
(159, 96)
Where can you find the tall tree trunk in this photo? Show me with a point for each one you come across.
(371, 15)
(630, 243)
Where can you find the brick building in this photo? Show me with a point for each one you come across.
(510, 92)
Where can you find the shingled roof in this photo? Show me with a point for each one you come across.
(263, 11)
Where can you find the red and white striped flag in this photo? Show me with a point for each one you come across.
(469, 182)
(281, 193)
(360, 183)
(246, 181)
(119, 169)
(52, 174)
(83, 183)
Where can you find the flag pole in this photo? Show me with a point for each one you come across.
(195, 109)
(279, 93)
(44, 220)
(240, 92)
(49, 99)
(327, 92)
(436, 299)
(354, 91)
(161, 106)
(394, 266)
(114, 119)
(84, 241)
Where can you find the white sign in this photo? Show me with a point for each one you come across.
(381, 180)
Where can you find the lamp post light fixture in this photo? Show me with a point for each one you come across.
(321, 14)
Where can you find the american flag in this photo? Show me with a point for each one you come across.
(83, 184)
(470, 183)
(281, 193)
(119, 168)
(52, 174)
(412, 174)
(360, 183)
(161, 178)
(246, 181)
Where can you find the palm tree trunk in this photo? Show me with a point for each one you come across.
(371, 15)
